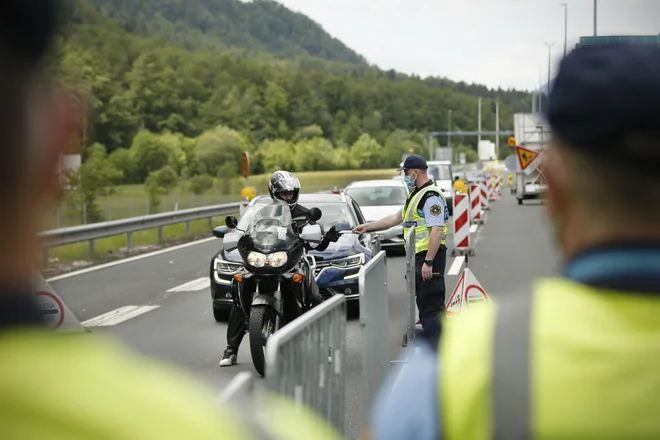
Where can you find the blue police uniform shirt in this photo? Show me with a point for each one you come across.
(408, 404)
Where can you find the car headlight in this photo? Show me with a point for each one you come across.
(256, 259)
(349, 262)
(226, 267)
(277, 259)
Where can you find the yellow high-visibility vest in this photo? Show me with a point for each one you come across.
(568, 362)
(80, 387)
(412, 219)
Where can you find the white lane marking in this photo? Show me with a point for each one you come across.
(128, 260)
(118, 316)
(473, 229)
(193, 286)
(456, 265)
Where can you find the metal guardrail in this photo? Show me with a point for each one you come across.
(374, 320)
(94, 231)
(239, 389)
(306, 360)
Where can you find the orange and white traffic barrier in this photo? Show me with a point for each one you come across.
(498, 187)
(461, 222)
(475, 203)
(484, 195)
(491, 188)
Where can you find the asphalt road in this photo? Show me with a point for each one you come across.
(160, 305)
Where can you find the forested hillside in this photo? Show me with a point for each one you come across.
(186, 111)
(261, 25)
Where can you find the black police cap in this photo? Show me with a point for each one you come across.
(604, 92)
(414, 162)
(27, 26)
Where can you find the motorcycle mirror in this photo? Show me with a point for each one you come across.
(220, 231)
(314, 214)
(312, 234)
(231, 222)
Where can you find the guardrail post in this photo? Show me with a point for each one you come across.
(160, 234)
(210, 222)
(129, 241)
(91, 247)
(187, 228)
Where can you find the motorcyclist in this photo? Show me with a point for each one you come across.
(283, 186)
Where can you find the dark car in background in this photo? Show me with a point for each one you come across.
(337, 267)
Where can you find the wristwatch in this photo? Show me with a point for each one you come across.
(428, 262)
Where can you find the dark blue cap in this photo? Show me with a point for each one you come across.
(27, 27)
(602, 94)
(414, 162)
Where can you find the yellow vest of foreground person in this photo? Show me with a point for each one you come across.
(585, 364)
(83, 387)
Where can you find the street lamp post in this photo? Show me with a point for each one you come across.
(595, 18)
(565, 26)
(549, 45)
(449, 128)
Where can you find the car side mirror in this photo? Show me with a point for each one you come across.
(231, 222)
(314, 214)
(312, 234)
(220, 231)
(230, 241)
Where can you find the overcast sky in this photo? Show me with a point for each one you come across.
(492, 42)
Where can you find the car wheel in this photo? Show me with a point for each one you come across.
(220, 315)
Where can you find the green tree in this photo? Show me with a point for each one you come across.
(160, 183)
(98, 178)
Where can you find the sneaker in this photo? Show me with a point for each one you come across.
(229, 358)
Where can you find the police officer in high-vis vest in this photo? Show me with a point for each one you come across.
(427, 213)
(577, 356)
(82, 386)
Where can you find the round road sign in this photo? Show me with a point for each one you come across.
(52, 309)
(510, 163)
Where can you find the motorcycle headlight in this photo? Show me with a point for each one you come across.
(277, 259)
(256, 259)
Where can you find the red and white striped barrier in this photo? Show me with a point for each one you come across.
(475, 203)
(498, 186)
(484, 195)
(461, 222)
(491, 188)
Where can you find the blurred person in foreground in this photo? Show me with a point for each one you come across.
(577, 356)
(55, 386)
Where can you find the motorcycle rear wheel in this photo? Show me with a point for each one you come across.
(262, 326)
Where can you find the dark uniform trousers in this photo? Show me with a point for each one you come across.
(431, 295)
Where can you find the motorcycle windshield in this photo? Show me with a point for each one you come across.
(271, 227)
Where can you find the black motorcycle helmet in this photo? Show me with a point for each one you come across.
(284, 186)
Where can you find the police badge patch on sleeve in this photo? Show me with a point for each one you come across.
(435, 210)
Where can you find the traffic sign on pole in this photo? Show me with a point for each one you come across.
(526, 158)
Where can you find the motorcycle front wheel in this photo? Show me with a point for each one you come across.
(262, 326)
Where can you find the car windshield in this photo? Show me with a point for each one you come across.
(269, 226)
(335, 214)
(440, 172)
(378, 195)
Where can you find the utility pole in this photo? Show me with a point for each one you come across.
(565, 26)
(595, 18)
(449, 128)
(549, 65)
(497, 128)
(479, 121)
